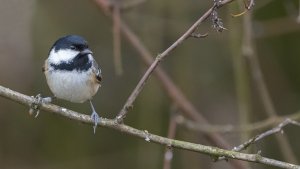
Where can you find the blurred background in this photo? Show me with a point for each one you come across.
(219, 75)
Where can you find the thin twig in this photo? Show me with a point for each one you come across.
(249, 51)
(247, 8)
(127, 32)
(272, 131)
(250, 5)
(229, 128)
(278, 128)
(140, 85)
(168, 156)
(212, 151)
(198, 35)
(241, 75)
(176, 94)
(117, 38)
(169, 86)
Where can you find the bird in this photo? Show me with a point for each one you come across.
(72, 73)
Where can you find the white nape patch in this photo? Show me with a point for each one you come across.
(90, 57)
(62, 55)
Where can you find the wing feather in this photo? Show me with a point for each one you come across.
(97, 71)
(45, 67)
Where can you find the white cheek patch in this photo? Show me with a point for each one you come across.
(62, 55)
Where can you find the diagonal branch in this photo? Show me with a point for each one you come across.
(227, 128)
(172, 90)
(143, 134)
(272, 131)
(250, 53)
(176, 94)
(267, 133)
(161, 56)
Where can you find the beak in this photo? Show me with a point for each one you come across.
(86, 51)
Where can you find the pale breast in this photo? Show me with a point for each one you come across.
(71, 85)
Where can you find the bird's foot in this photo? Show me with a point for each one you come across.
(35, 106)
(96, 119)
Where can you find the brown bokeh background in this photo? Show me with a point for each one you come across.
(204, 69)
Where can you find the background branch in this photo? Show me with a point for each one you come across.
(172, 90)
(274, 130)
(229, 128)
(117, 37)
(128, 104)
(249, 52)
(168, 156)
(278, 128)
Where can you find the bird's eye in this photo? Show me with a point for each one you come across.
(73, 47)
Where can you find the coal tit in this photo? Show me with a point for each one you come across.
(72, 73)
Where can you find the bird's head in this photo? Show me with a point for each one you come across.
(66, 48)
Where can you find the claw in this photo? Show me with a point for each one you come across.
(37, 113)
(95, 117)
(35, 106)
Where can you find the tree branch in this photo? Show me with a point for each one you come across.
(161, 56)
(249, 52)
(117, 38)
(212, 151)
(267, 133)
(278, 128)
(226, 128)
(172, 90)
(168, 155)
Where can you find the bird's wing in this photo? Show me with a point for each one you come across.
(97, 71)
(45, 67)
